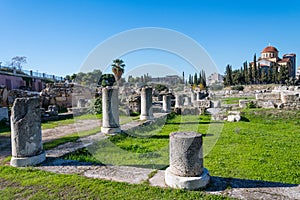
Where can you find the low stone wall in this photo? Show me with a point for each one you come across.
(287, 99)
(64, 95)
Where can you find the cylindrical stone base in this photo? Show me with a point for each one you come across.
(187, 183)
(186, 161)
(186, 153)
(146, 104)
(27, 161)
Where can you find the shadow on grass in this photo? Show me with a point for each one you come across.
(220, 184)
(5, 145)
(244, 119)
(181, 123)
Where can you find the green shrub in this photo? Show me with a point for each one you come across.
(238, 87)
(96, 106)
(251, 104)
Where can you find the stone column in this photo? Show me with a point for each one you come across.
(146, 104)
(178, 100)
(167, 103)
(193, 97)
(26, 133)
(187, 101)
(186, 162)
(110, 110)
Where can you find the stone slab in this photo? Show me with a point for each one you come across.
(132, 175)
(158, 179)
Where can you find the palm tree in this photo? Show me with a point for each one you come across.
(118, 69)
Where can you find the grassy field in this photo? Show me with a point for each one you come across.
(29, 183)
(235, 100)
(264, 146)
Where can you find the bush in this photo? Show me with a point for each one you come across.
(96, 106)
(251, 104)
(238, 87)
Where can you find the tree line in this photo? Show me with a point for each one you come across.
(255, 74)
(196, 80)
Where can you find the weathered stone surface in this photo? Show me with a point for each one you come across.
(110, 109)
(186, 157)
(203, 104)
(234, 116)
(267, 96)
(26, 134)
(193, 97)
(120, 173)
(178, 101)
(187, 101)
(290, 98)
(3, 113)
(188, 183)
(215, 104)
(146, 104)
(167, 103)
(267, 104)
(243, 103)
(186, 162)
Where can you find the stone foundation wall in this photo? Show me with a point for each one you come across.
(64, 95)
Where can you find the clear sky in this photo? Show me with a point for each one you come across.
(57, 36)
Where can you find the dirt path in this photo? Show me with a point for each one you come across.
(51, 134)
(79, 125)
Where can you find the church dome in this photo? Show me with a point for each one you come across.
(270, 49)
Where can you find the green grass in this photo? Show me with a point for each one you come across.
(29, 183)
(149, 145)
(235, 100)
(69, 138)
(265, 146)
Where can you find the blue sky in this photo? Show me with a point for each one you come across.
(57, 36)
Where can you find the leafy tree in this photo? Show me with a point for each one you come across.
(250, 74)
(263, 78)
(202, 78)
(160, 87)
(269, 75)
(254, 70)
(228, 76)
(17, 61)
(195, 79)
(236, 77)
(118, 68)
(107, 80)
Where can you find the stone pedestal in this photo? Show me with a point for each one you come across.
(26, 133)
(110, 110)
(178, 101)
(167, 103)
(146, 104)
(186, 162)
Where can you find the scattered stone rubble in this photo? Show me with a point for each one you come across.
(281, 97)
